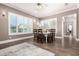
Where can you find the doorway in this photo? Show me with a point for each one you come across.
(69, 30)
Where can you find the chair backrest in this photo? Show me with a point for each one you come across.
(40, 31)
(52, 30)
(35, 31)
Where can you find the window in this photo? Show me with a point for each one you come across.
(19, 24)
(49, 24)
(13, 23)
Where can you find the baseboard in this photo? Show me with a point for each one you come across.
(12, 40)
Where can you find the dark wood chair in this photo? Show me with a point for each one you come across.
(35, 32)
(51, 36)
(40, 36)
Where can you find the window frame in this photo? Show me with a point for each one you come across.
(17, 33)
(50, 19)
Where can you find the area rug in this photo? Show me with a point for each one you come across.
(25, 49)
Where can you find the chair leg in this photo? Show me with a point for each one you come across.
(33, 39)
(41, 40)
(37, 40)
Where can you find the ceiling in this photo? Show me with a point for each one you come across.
(48, 9)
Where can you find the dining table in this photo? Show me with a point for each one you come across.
(46, 35)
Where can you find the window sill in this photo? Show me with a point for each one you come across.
(19, 33)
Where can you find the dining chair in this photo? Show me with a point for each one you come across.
(35, 32)
(53, 34)
(48, 38)
(40, 36)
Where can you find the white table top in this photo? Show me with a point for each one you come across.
(46, 33)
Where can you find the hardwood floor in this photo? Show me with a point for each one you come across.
(56, 47)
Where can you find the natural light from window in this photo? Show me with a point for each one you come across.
(19, 24)
(49, 23)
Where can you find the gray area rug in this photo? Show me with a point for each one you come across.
(25, 49)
